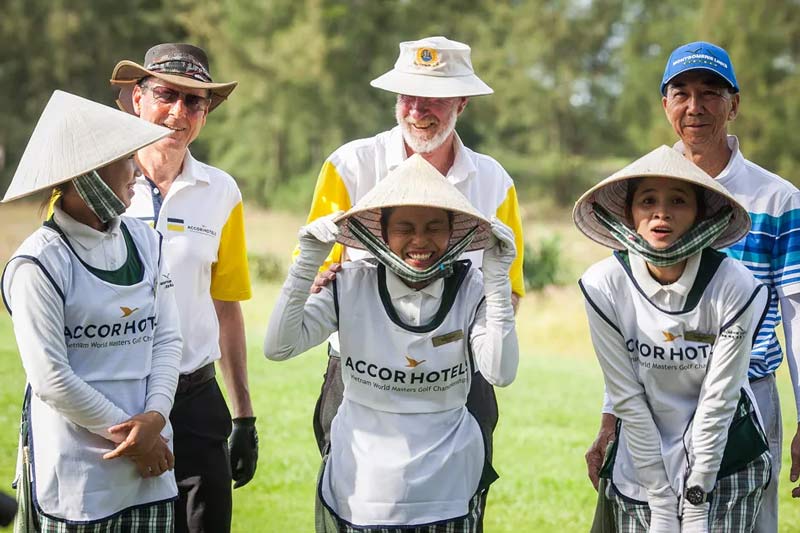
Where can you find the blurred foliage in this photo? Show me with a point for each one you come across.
(576, 81)
(267, 267)
(542, 264)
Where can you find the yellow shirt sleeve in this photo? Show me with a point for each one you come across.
(508, 213)
(230, 277)
(330, 196)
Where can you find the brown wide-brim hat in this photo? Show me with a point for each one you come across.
(184, 65)
(663, 162)
(415, 182)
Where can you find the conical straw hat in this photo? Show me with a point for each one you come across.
(415, 182)
(663, 162)
(74, 136)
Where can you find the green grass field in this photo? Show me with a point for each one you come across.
(548, 417)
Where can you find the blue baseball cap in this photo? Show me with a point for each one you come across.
(699, 55)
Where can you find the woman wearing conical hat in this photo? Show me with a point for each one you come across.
(672, 322)
(414, 325)
(96, 325)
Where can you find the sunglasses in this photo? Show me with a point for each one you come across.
(165, 95)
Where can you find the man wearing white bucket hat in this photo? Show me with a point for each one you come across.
(673, 322)
(102, 371)
(700, 96)
(405, 452)
(433, 79)
(198, 209)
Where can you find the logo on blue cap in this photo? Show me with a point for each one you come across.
(699, 55)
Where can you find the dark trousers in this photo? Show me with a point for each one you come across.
(202, 424)
(481, 402)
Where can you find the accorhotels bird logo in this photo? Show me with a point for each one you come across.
(413, 363)
(669, 337)
(127, 311)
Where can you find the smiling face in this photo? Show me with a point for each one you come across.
(699, 105)
(427, 123)
(662, 210)
(120, 176)
(181, 109)
(418, 235)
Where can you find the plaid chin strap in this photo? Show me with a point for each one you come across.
(441, 269)
(98, 196)
(699, 236)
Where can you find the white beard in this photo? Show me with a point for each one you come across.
(422, 146)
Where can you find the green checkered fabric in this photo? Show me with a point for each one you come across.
(699, 236)
(465, 524)
(154, 518)
(734, 502)
(98, 196)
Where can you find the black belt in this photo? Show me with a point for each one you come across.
(187, 382)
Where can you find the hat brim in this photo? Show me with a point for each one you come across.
(430, 86)
(729, 81)
(463, 222)
(127, 73)
(612, 192)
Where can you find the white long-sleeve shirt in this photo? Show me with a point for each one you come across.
(38, 319)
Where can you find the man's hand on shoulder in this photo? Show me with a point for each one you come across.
(324, 278)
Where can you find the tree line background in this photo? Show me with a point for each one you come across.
(576, 81)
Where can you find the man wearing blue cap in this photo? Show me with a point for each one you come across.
(700, 95)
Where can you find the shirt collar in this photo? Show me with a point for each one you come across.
(398, 289)
(734, 163)
(191, 171)
(463, 165)
(651, 287)
(80, 233)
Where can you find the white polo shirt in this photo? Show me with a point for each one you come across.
(202, 221)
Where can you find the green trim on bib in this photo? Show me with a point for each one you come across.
(130, 273)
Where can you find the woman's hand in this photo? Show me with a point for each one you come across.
(155, 462)
(499, 254)
(315, 241)
(141, 433)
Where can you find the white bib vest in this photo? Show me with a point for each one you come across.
(404, 449)
(670, 352)
(108, 331)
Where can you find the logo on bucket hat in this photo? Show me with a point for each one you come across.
(427, 57)
(699, 55)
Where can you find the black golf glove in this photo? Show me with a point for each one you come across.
(244, 450)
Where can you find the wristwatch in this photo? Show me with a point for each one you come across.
(696, 495)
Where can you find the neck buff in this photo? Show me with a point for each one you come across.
(441, 269)
(699, 236)
(98, 196)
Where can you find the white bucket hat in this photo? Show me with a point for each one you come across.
(415, 182)
(663, 162)
(75, 136)
(433, 67)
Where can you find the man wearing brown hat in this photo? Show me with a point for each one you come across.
(433, 79)
(198, 210)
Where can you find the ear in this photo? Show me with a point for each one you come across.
(664, 104)
(462, 104)
(136, 97)
(734, 107)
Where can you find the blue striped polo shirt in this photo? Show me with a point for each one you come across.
(771, 250)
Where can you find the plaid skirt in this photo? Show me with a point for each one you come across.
(154, 518)
(327, 522)
(734, 502)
